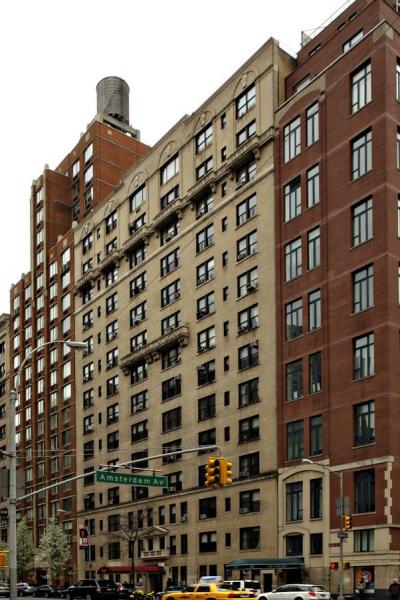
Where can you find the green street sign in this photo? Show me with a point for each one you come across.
(139, 480)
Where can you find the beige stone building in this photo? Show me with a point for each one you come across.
(175, 297)
(4, 414)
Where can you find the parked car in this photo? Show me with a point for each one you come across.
(46, 591)
(250, 585)
(25, 589)
(4, 588)
(297, 591)
(92, 588)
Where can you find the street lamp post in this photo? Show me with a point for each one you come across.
(338, 474)
(12, 512)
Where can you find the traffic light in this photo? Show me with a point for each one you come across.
(347, 524)
(226, 471)
(213, 472)
(334, 565)
(83, 536)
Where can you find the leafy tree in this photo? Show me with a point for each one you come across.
(129, 531)
(54, 550)
(25, 549)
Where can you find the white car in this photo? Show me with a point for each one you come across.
(297, 591)
(4, 589)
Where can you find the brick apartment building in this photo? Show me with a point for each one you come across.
(236, 284)
(337, 256)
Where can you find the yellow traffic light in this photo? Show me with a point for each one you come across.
(3, 558)
(347, 522)
(213, 472)
(226, 471)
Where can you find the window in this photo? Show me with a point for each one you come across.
(313, 186)
(112, 441)
(170, 262)
(361, 87)
(205, 238)
(208, 543)
(292, 139)
(312, 124)
(295, 440)
(246, 133)
(364, 482)
(171, 293)
(362, 222)
(137, 224)
(138, 341)
(139, 402)
(136, 256)
(139, 372)
(171, 388)
(246, 246)
(398, 148)
(170, 357)
(171, 322)
(204, 138)
(294, 501)
(364, 540)
(361, 154)
(206, 373)
(316, 502)
(75, 168)
(292, 194)
(112, 331)
(245, 173)
(363, 288)
(111, 221)
(294, 545)
(294, 319)
(314, 310)
(137, 285)
(294, 380)
(249, 465)
(398, 80)
(169, 231)
(172, 419)
(112, 413)
(248, 355)
(249, 501)
(205, 305)
(246, 209)
(139, 431)
(206, 438)
(248, 392)
(169, 197)
(316, 543)
(245, 101)
(169, 169)
(206, 339)
(249, 429)
(248, 319)
(315, 372)
(111, 303)
(352, 41)
(204, 205)
(112, 386)
(363, 352)
(316, 434)
(204, 168)
(249, 538)
(205, 271)
(364, 423)
(314, 248)
(88, 153)
(206, 408)
(247, 282)
(137, 198)
(169, 447)
(293, 266)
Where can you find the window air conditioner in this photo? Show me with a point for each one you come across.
(183, 518)
(243, 511)
(242, 328)
(203, 516)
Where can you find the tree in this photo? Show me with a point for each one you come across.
(25, 549)
(128, 530)
(54, 550)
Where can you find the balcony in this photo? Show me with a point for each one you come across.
(152, 554)
(85, 280)
(136, 237)
(152, 350)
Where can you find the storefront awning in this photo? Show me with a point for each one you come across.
(128, 569)
(290, 562)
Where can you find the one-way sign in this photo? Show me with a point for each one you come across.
(159, 481)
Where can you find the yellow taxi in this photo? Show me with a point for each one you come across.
(208, 588)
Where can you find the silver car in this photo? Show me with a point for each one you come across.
(297, 591)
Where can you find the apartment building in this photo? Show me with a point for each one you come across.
(4, 414)
(175, 299)
(337, 260)
(42, 308)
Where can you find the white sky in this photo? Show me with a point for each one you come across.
(172, 53)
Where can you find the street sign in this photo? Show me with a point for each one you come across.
(159, 481)
(343, 535)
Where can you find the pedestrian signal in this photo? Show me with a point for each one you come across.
(333, 565)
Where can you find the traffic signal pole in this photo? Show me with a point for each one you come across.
(341, 540)
(12, 510)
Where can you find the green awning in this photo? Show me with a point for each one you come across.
(290, 562)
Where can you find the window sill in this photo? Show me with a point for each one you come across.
(364, 310)
(363, 378)
(362, 244)
(360, 177)
(356, 112)
(246, 221)
(362, 446)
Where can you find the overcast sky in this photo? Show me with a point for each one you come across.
(172, 53)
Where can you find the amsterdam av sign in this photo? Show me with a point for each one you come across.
(140, 480)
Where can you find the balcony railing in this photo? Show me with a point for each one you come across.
(152, 554)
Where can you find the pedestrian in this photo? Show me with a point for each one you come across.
(394, 589)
